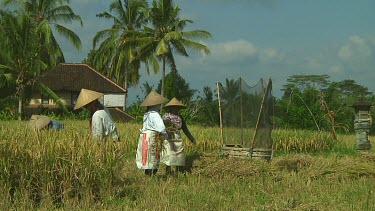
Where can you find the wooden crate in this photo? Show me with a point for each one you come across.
(262, 154)
(236, 151)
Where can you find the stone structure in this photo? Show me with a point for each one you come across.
(362, 124)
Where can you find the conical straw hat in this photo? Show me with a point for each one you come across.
(85, 97)
(38, 122)
(153, 99)
(175, 102)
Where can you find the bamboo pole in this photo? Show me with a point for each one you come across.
(220, 114)
(241, 107)
(259, 115)
(312, 115)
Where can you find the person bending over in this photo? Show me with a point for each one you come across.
(101, 125)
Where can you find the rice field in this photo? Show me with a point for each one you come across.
(67, 170)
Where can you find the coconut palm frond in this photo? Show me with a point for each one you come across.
(45, 90)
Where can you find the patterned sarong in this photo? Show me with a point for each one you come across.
(173, 153)
(148, 153)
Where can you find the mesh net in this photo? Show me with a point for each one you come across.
(246, 113)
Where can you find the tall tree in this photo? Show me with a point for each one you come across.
(167, 36)
(116, 55)
(326, 105)
(21, 61)
(48, 15)
(230, 92)
(338, 98)
(176, 86)
(349, 88)
(7, 82)
(302, 82)
(230, 101)
(34, 25)
(302, 110)
(209, 113)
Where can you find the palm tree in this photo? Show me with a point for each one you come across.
(6, 78)
(21, 61)
(116, 54)
(230, 93)
(168, 36)
(176, 86)
(48, 14)
(230, 97)
(30, 45)
(147, 88)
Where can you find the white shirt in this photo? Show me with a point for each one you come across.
(153, 121)
(103, 126)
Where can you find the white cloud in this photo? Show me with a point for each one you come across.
(345, 53)
(357, 51)
(357, 40)
(269, 55)
(356, 60)
(232, 51)
(241, 47)
(240, 51)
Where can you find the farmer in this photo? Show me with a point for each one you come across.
(40, 122)
(152, 134)
(173, 153)
(101, 124)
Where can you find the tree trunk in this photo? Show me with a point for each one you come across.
(163, 78)
(126, 94)
(20, 102)
(125, 87)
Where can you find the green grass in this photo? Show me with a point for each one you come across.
(68, 170)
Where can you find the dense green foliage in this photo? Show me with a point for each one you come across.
(167, 36)
(21, 61)
(325, 106)
(116, 57)
(176, 86)
(29, 47)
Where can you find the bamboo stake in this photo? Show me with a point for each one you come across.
(259, 115)
(221, 120)
(312, 115)
(241, 105)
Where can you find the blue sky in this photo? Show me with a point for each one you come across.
(261, 38)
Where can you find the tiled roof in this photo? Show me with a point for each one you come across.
(120, 115)
(75, 76)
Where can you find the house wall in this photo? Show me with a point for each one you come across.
(36, 98)
(108, 100)
(114, 100)
(66, 96)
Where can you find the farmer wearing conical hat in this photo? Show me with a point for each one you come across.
(40, 122)
(152, 134)
(173, 153)
(101, 124)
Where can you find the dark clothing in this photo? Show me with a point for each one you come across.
(187, 132)
(176, 121)
(55, 125)
(150, 172)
